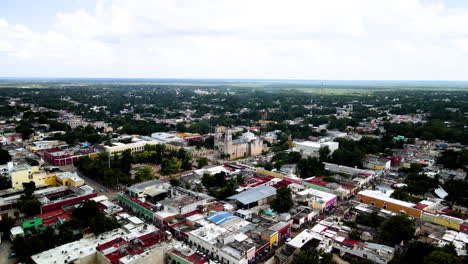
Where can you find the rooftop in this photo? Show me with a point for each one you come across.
(379, 195)
(254, 194)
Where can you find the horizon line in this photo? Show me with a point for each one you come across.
(224, 79)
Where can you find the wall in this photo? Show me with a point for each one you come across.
(136, 207)
(26, 175)
(390, 206)
(155, 256)
(214, 250)
(269, 173)
(273, 239)
(450, 222)
(54, 206)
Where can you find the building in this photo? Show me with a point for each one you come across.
(138, 246)
(378, 199)
(65, 179)
(74, 123)
(151, 190)
(164, 137)
(226, 238)
(134, 147)
(245, 146)
(377, 163)
(23, 173)
(310, 148)
(141, 249)
(55, 199)
(6, 169)
(341, 190)
(45, 144)
(350, 170)
(317, 199)
(253, 197)
(60, 157)
(377, 253)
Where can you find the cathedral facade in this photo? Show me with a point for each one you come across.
(245, 146)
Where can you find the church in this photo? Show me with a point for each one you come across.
(245, 146)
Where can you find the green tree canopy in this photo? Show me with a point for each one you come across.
(283, 202)
(5, 156)
(397, 229)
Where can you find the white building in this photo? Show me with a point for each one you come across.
(6, 169)
(310, 148)
(164, 137)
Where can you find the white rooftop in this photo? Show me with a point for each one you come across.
(320, 194)
(135, 220)
(69, 175)
(302, 238)
(379, 195)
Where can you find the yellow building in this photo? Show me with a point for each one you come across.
(136, 147)
(65, 179)
(25, 173)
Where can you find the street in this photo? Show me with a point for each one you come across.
(99, 188)
(5, 251)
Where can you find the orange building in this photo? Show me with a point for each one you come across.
(378, 199)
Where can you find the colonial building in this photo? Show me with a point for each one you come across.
(246, 145)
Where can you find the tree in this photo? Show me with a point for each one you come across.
(457, 191)
(29, 188)
(421, 252)
(441, 257)
(268, 166)
(202, 162)
(6, 224)
(240, 179)
(361, 261)
(144, 174)
(397, 229)
(283, 202)
(372, 220)
(27, 204)
(174, 182)
(324, 153)
(5, 156)
(171, 166)
(186, 165)
(403, 195)
(89, 215)
(310, 166)
(30, 207)
(24, 128)
(278, 165)
(126, 161)
(4, 183)
(312, 256)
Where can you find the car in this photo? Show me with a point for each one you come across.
(12, 255)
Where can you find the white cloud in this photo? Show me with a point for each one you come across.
(333, 39)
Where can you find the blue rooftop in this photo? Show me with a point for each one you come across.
(220, 217)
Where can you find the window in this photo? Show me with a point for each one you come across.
(385, 207)
(372, 203)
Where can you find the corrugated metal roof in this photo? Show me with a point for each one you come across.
(143, 185)
(220, 217)
(254, 194)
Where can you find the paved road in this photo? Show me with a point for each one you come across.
(99, 188)
(5, 252)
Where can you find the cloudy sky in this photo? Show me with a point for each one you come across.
(269, 39)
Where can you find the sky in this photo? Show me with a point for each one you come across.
(245, 39)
